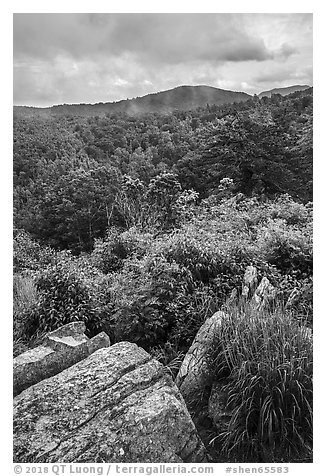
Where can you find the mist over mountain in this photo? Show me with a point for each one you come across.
(180, 98)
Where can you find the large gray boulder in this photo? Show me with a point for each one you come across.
(196, 369)
(118, 405)
(60, 349)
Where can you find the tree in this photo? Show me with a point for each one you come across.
(77, 207)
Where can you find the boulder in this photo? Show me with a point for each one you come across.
(196, 370)
(69, 335)
(249, 281)
(60, 349)
(117, 405)
(264, 294)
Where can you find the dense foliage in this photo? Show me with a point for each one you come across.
(71, 173)
(144, 226)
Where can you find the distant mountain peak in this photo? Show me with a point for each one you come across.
(184, 97)
(284, 91)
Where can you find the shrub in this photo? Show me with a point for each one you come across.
(64, 295)
(29, 254)
(160, 205)
(268, 357)
(109, 254)
(287, 247)
(262, 233)
(196, 256)
(189, 311)
(141, 293)
(130, 202)
(162, 194)
(210, 259)
(242, 214)
(157, 302)
(298, 296)
(294, 213)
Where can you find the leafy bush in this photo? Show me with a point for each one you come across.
(298, 296)
(190, 310)
(194, 253)
(294, 213)
(29, 254)
(268, 357)
(162, 194)
(109, 254)
(64, 295)
(239, 213)
(157, 302)
(141, 293)
(275, 236)
(288, 247)
(211, 260)
(130, 202)
(159, 205)
(168, 284)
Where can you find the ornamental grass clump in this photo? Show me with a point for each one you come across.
(268, 359)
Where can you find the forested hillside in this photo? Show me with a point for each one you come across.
(283, 91)
(144, 226)
(69, 171)
(181, 98)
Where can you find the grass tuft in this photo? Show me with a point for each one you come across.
(268, 357)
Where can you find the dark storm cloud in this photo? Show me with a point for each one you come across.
(168, 38)
(180, 38)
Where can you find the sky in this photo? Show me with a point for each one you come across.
(88, 58)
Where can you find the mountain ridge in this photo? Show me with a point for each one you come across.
(181, 98)
(284, 91)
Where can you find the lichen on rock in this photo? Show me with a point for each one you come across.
(118, 405)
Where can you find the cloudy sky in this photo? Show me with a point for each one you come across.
(73, 58)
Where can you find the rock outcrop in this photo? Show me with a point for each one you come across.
(61, 349)
(260, 295)
(264, 294)
(117, 405)
(249, 281)
(196, 371)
